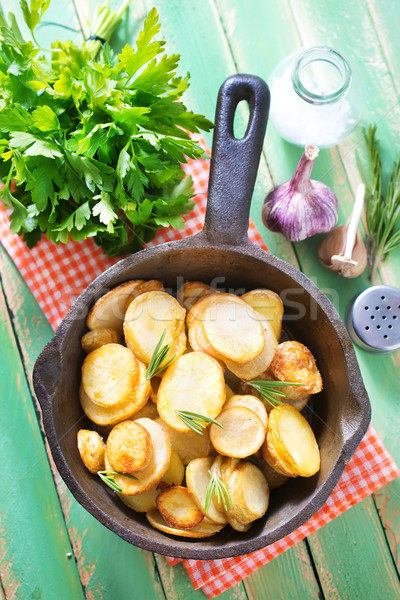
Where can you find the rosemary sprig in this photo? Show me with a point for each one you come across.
(195, 421)
(217, 487)
(108, 477)
(268, 389)
(382, 212)
(157, 358)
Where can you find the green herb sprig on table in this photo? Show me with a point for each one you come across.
(269, 390)
(382, 210)
(92, 147)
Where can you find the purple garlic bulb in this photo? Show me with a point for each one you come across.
(302, 206)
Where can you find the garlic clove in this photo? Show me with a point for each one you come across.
(301, 207)
(331, 253)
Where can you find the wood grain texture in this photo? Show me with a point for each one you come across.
(30, 509)
(290, 575)
(351, 556)
(177, 585)
(91, 542)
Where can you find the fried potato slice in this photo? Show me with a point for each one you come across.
(274, 478)
(157, 467)
(91, 449)
(232, 328)
(99, 337)
(294, 362)
(109, 310)
(291, 392)
(147, 500)
(129, 447)
(202, 530)
(268, 304)
(188, 444)
(197, 481)
(111, 415)
(177, 508)
(193, 382)
(149, 410)
(257, 366)
(192, 291)
(242, 435)
(109, 374)
(293, 441)
(147, 317)
(228, 393)
(197, 309)
(251, 402)
(249, 493)
(237, 525)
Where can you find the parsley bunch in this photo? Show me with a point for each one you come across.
(92, 147)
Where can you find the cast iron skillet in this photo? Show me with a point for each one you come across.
(221, 254)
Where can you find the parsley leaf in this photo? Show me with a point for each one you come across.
(94, 144)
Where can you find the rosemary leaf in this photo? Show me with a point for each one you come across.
(217, 487)
(108, 477)
(269, 391)
(382, 211)
(196, 421)
(156, 364)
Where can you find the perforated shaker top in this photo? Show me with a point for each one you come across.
(374, 319)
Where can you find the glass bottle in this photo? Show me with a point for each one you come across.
(315, 97)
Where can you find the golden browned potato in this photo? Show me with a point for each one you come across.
(111, 415)
(232, 328)
(157, 466)
(269, 305)
(91, 449)
(147, 500)
(294, 362)
(188, 444)
(241, 435)
(147, 317)
(178, 508)
(273, 477)
(291, 442)
(193, 382)
(251, 402)
(110, 374)
(259, 364)
(192, 291)
(249, 493)
(99, 337)
(197, 481)
(204, 529)
(129, 447)
(109, 310)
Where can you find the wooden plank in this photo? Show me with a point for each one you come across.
(177, 585)
(32, 527)
(206, 55)
(261, 23)
(92, 543)
(361, 567)
(290, 575)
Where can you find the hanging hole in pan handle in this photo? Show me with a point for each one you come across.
(235, 161)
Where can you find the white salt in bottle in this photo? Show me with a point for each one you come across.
(315, 97)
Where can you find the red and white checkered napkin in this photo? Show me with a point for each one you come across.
(58, 274)
(370, 468)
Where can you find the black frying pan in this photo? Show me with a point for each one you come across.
(341, 413)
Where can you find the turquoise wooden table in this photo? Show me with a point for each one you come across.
(50, 547)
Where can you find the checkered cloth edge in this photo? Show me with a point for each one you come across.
(370, 468)
(56, 275)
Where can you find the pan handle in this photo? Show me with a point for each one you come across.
(234, 162)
